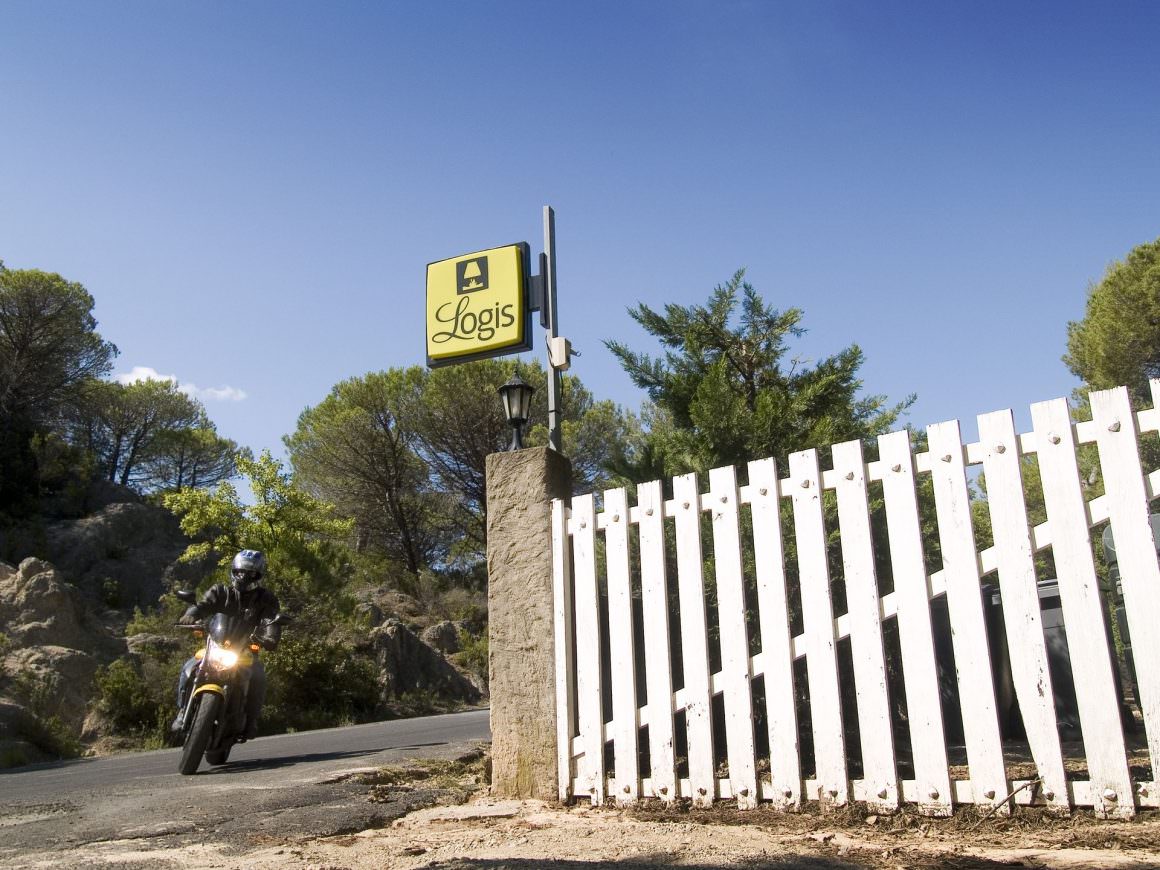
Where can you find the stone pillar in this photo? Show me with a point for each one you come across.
(521, 646)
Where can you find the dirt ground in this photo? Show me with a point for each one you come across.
(486, 833)
(517, 834)
(471, 830)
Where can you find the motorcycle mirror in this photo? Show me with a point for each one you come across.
(186, 595)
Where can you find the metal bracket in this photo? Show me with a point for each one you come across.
(538, 285)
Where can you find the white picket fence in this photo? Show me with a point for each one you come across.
(615, 607)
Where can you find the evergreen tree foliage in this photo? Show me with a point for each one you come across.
(150, 435)
(358, 449)
(404, 452)
(1118, 340)
(49, 349)
(726, 390)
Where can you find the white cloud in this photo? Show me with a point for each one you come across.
(221, 394)
(143, 373)
(208, 394)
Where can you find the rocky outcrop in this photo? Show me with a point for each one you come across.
(63, 677)
(406, 664)
(54, 641)
(18, 732)
(443, 636)
(125, 555)
(64, 609)
(39, 608)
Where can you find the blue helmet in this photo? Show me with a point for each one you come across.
(247, 569)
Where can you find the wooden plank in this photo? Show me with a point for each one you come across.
(1117, 440)
(776, 641)
(564, 653)
(880, 772)
(724, 499)
(621, 633)
(968, 623)
(916, 639)
(658, 668)
(1015, 560)
(1087, 640)
(694, 639)
(805, 486)
(589, 693)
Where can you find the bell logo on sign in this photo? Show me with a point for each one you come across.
(472, 275)
(478, 306)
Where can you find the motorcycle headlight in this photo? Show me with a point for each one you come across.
(223, 658)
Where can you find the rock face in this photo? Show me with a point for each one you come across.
(64, 609)
(407, 664)
(443, 636)
(124, 555)
(39, 608)
(55, 641)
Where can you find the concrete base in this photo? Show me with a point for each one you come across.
(521, 657)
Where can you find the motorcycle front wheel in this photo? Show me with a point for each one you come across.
(199, 734)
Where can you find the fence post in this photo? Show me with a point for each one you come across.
(521, 654)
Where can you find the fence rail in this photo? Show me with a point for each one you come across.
(787, 639)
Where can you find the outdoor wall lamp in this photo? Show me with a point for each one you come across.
(517, 405)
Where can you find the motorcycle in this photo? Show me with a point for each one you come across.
(213, 716)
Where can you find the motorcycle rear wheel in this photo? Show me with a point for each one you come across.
(200, 733)
(218, 756)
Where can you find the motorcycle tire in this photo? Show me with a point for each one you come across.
(200, 733)
(218, 756)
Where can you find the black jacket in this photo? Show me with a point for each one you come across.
(256, 606)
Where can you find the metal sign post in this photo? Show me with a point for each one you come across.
(549, 273)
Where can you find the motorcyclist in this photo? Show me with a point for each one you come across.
(257, 605)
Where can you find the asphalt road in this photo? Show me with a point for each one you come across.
(283, 786)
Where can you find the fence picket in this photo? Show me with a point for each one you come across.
(1026, 643)
(805, 484)
(968, 622)
(621, 632)
(776, 642)
(1087, 639)
(1117, 439)
(582, 661)
(916, 638)
(863, 606)
(565, 654)
(694, 640)
(590, 766)
(658, 667)
(735, 673)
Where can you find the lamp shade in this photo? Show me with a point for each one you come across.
(517, 400)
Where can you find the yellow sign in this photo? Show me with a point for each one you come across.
(477, 306)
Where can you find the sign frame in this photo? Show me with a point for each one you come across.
(526, 303)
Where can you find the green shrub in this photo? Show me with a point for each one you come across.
(53, 736)
(472, 655)
(313, 683)
(111, 592)
(44, 728)
(124, 695)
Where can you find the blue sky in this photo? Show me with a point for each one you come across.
(252, 191)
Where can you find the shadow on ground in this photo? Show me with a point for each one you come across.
(284, 761)
(656, 862)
